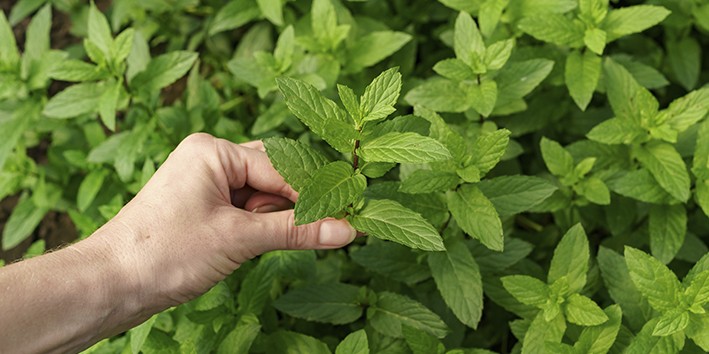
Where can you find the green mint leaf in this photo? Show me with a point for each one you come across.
(489, 16)
(431, 206)
(239, 340)
(392, 311)
(374, 47)
(440, 95)
(653, 279)
(454, 69)
(107, 104)
(381, 95)
(640, 185)
(401, 124)
(476, 215)
(12, 128)
(234, 14)
(440, 131)
(22, 9)
(594, 190)
(256, 74)
(421, 342)
(269, 120)
(701, 194)
(163, 70)
(94, 52)
(541, 332)
(527, 290)
(76, 71)
(667, 167)
(377, 169)
(554, 28)
(350, 101)
(256, 287)
(518, 79)
(489, 148)
(634, 19)
(428, 181)
(581, 74)
(469, 174)
(686, 111)
(647, 76)
(291, 342)
(9, 55)
(334, 303)
(389, 220)
(595, 40)
(393, 261)
(599, 339)
(139, 56)
(320, 114)
(458, 279)
(37, 36)
(671, 322)
(667, 227)
(324, 22)
(594, 10)
(644, 342)
(139, 334)
(89, 188)
(355, 343)
(583, 311)
(684, 57)
(272, 10)
(75, 100)
(571, 259)
(497, 54)
(468, 42)
(294, 160)
(616, 131)
(515, 194)
(331, 189)
(628, 99)
(403, 147)
(23, 220)
(700, 164)
(122, 46)
(697, 330)
(99, 31)
(559, 161)
(483, 96)
(697, 293)
(283, 53)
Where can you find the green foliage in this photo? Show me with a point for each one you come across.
(533, 167)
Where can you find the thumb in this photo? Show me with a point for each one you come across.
(279, 232)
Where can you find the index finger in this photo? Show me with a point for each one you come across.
(244, 165)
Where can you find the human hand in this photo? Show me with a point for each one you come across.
(210, 207)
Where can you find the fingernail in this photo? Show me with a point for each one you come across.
(265, 209)
(335, 233)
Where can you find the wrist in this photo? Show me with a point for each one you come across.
(114, 279)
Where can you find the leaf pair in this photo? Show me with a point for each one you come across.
(559, 298)
(561, 164)
(680, 305)
(594, 26)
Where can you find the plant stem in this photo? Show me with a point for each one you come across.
(355, 158)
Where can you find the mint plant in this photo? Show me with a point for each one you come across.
(335, 188)
(531, 174)
(591, 26)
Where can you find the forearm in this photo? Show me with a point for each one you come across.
(67, 300)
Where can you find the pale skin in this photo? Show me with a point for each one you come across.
(210, 207)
